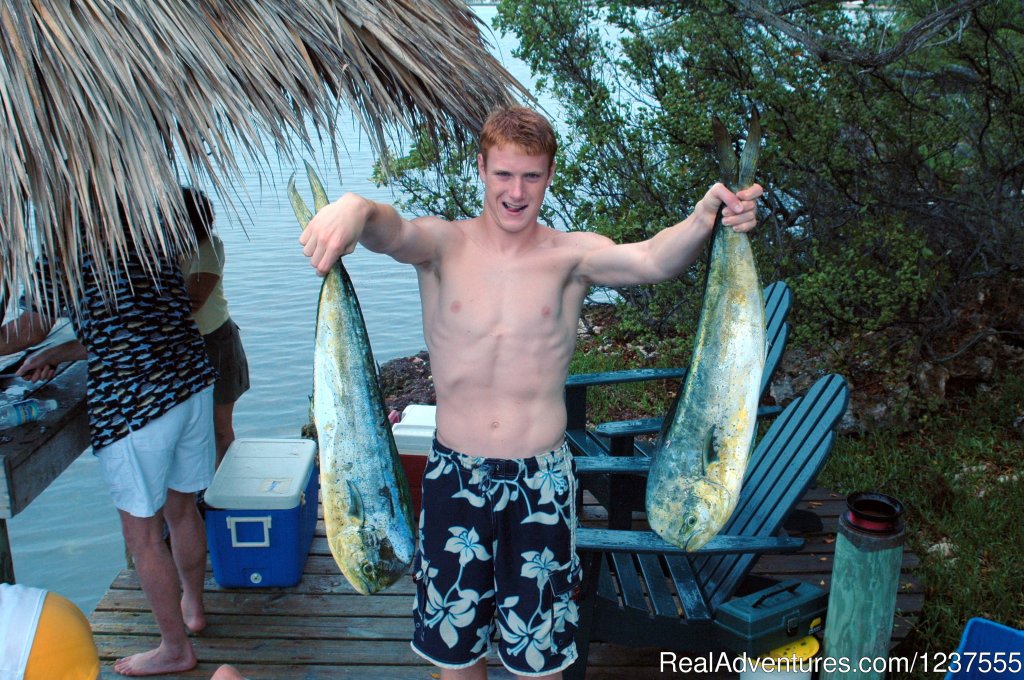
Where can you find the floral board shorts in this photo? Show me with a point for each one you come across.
(497, 551)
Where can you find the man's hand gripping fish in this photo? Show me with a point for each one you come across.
(701, 457)
(367, 507)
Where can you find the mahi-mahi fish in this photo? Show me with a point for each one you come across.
(702, 453)
(365, 493)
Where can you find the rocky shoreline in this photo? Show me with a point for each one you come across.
(407, 380)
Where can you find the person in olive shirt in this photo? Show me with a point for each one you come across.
(204, 280)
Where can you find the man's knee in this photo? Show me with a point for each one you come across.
(142, 533)
(180, 508)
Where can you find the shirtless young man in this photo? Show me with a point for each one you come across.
(501, 296)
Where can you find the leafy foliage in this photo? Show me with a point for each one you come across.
(886, 183)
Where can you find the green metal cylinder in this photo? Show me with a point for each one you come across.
(865, 579)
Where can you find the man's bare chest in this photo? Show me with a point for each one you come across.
(480, 296)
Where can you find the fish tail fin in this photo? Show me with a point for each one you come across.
(737, 173)
(751, 151)
(319, 193)
(726, 154)
(299, 207)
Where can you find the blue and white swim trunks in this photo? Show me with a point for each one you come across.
(497, 551)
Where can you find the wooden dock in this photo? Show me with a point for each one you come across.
(321, 628)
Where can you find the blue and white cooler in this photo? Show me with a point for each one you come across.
(262, 512)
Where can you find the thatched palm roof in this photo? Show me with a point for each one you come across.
(100, 99)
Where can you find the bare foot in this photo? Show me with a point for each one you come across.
(194, 616)
(156, 661)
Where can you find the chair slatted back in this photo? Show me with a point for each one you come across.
(781, 468)
(778, 299)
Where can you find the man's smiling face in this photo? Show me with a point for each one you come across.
(514, 186)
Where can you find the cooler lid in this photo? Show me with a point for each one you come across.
(415, 431)
(262, 474)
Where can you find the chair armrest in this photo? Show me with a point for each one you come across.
(576, 388)
(629, 428)
(641, 426)
(596, 465)
(612, 540)
(615, 377)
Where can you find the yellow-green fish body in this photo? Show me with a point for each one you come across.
(364, 490)
(701, 457)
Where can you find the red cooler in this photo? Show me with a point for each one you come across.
(413, 436)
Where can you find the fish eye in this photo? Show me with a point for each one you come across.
(691, 521)
(367, 569)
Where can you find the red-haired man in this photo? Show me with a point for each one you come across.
(501, 296)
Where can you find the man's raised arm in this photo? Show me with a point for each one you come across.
(338, 227)
(669, 252)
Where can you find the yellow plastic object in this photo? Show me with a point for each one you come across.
(792, 661)
(801, 650)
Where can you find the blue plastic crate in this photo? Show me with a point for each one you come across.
(1003, 649)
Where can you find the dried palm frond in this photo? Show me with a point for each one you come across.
(116, 102)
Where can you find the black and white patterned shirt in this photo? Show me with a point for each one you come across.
(145, 353)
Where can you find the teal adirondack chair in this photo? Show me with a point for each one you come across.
(623, 494)
(627, 598)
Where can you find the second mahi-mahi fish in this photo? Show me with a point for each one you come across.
(702, 454)
(365, 494)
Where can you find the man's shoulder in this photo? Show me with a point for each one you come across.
(580, 240)
(438, 222)
(448, 231)
(439, 226)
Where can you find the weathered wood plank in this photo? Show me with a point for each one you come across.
(331, 583)
(647, 671)
(274, 604)
(268, 627)
(328, 652)
(37, 453)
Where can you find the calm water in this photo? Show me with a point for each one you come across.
(69, 539)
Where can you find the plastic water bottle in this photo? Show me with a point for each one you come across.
(25, 411)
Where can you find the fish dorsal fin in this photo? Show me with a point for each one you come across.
(355, 502)
(670, 416)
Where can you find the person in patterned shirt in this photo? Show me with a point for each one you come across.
(150, 403)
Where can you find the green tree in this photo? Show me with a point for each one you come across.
(893, 162)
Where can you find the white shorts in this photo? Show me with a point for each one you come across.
(175, 451)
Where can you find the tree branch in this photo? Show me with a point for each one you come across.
(829, 48)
